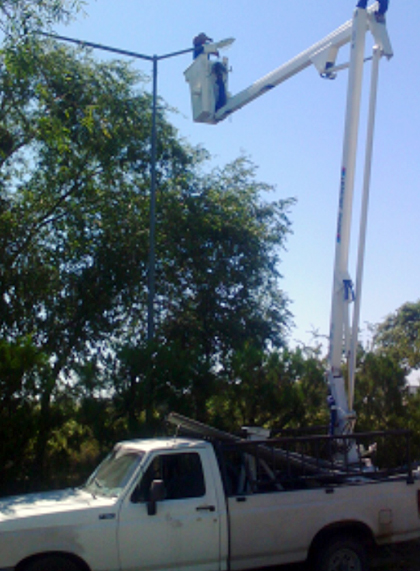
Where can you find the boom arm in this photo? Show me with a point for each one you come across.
(323, 55)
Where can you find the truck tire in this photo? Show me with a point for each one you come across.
(341, 554)
(52, 563)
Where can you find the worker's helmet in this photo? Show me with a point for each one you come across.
(201, 39)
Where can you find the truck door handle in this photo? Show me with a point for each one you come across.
(205, 508)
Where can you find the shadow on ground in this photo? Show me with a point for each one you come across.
(402, 557)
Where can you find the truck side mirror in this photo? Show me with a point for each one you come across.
(156, 494)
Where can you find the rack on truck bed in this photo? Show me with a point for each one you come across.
(303, 462)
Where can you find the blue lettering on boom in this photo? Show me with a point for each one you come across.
(341, 202)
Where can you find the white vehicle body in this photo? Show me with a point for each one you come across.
(207, 529)
(65, 521)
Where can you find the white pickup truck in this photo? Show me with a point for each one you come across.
(189, 504)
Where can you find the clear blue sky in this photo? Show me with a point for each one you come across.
(294, 133)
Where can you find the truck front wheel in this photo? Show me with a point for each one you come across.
(52, 562)
(341, 554)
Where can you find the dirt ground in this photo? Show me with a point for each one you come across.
(402, 557)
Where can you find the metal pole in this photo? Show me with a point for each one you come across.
(152, 232)
(363, 220)
(85, 44)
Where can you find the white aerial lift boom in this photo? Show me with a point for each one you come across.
(208, 107)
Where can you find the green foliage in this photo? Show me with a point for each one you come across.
(74, 222)
(399, 335)
(18, 18)
(282, 389)
(21, 364)
(74, 208)
(312, 386)
(412, 405)
(380, 394)
(382, 402)
(218, 288)
(218, 252)
(19, 360)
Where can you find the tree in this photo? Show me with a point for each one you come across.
(74, 219)
(261, 390)
(219, 251)
(310, 367)
(74, 159)
(219, 264)
(18, 18)
(380, 393)
(74, 223)
(217, 288)
(283, 390)
(399, 335)
(74, 240)
(21, 363)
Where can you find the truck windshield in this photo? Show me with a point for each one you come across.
(114, 473)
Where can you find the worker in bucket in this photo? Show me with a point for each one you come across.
(220, 71)
(199, 42)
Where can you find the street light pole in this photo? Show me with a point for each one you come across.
(153, 137)
(152, 228)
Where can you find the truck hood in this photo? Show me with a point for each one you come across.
(34, 506)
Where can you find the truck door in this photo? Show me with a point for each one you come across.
(184, 531)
